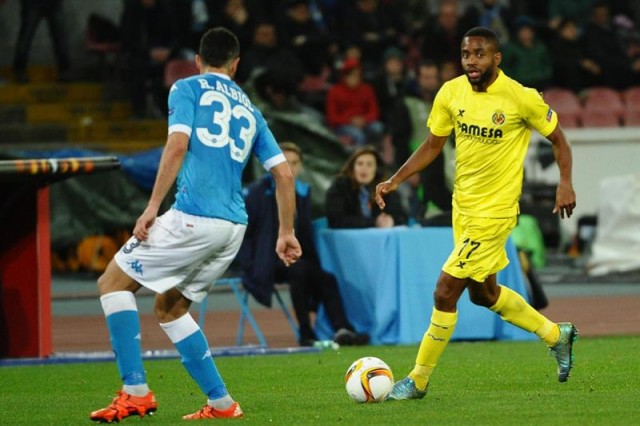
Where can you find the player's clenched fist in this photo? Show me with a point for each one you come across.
(288, 249)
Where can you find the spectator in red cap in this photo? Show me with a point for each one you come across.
(352, 108)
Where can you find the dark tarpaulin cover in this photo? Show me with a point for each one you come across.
(112, 201)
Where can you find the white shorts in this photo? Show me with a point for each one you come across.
(183, 251)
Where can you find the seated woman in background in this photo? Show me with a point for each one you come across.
(349, 201)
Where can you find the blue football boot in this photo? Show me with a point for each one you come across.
(406, 389)
(563, 350)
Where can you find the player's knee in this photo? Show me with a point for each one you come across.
(162, 314)
(165, 314)
(103, 284)
(170, 306)
(483, 299)
(444, 299)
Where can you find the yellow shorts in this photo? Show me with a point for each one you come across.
(479, 246)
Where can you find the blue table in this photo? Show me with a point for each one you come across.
(387, 278)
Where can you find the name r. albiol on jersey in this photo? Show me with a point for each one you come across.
(222, 87)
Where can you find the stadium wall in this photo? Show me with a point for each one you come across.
(597, 154)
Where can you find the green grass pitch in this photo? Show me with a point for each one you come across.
(484, 383)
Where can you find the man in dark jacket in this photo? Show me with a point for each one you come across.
(148, 42)
(309, 284)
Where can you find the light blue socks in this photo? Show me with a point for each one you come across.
(192, 345)
(123, 322)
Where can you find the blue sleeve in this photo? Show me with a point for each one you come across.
(181, 108)
(267, 150)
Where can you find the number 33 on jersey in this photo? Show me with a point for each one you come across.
(223, 128)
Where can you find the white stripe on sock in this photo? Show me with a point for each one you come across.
(180, 328)
(118, 301)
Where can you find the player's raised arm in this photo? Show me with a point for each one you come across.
(565, 195)
(421, 158)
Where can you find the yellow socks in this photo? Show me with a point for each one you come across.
(510, 306)
(433, 343)
(514, 309)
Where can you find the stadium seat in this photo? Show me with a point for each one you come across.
(604, 100)
(568, 121)
(597, 118)
(316, 83)
(313, 88)
(566, 104)
(242, 296)
(176, 69)
(107, 52)
(631, 117)
(631, 98)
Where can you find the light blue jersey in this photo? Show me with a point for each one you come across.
(224, 127)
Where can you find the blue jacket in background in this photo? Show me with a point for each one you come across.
(257, 256)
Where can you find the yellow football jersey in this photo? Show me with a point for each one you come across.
(492, 131)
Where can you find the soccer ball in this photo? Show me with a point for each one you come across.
(368, 379)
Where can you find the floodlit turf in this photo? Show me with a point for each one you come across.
(488, 383)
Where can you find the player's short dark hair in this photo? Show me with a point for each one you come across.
(486, 33)
(292, 147)
(219, 46)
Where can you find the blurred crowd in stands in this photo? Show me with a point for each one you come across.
(366, 71)
(356, 60)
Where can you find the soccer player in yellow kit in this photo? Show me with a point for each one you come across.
(492, 116)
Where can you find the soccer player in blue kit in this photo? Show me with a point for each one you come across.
(213, 128)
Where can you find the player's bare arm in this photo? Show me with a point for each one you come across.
(421, 158)
(287, 247)
(170, 164)
(565, 195)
